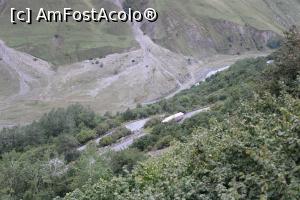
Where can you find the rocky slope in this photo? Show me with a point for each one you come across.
(203, 27)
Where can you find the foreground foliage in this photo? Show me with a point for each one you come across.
(254, 154)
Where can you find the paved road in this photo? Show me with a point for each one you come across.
(126, 142)
(193, 113)
(136, 125)
(209, 73)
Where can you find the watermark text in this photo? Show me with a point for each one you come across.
(68, 14)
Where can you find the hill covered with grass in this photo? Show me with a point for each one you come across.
(62, 43)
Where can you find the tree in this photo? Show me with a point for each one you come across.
(89, 168)
(102, 128)
(128, 115)
(286, 69)
(65, 143)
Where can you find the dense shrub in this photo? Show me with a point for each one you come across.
(106, 141)
(85, 135)
(145, 143)
(124, 161)
(285, 72)
(102, 128)
(164, 142)
(71, 155)
(153, 121)
(65, 143)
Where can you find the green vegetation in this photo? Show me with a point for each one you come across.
(153, 121)
(124, 161)
(56, 123)
(86, 135)
(253, 154)
(284, 74)
(246, 147)
(114, 137)
(8, 84)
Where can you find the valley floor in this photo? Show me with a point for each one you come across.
(101, 90)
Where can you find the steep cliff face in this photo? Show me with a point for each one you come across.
(219, 37)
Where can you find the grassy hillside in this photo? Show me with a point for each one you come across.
(8, 83)
(205, 27)
(61, 43)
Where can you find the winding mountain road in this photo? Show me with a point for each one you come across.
(137, 129)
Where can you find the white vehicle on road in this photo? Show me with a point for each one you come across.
(177, 117)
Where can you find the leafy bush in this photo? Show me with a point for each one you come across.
(65, 143)
(152, 122)
(123, 161)
(106, 141)
(164, 142)
(102, 128)
(71, 155)
(86, 135)
(121, 132)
